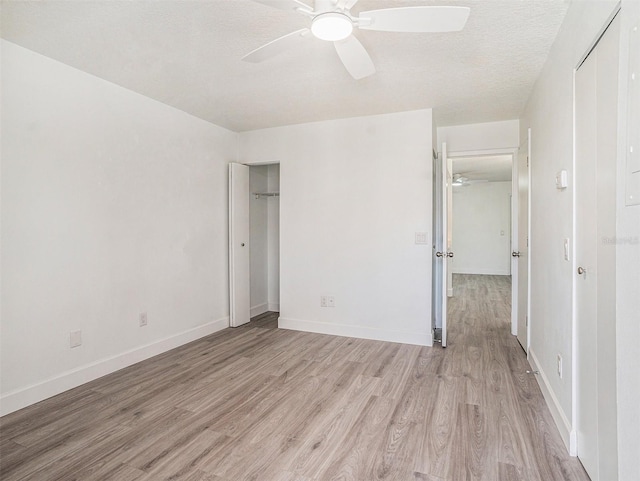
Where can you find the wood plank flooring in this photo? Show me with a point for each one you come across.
(260, 403)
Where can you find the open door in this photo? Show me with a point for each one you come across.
(239, 260)
(521, 248)
(449, 226)
(443, 247)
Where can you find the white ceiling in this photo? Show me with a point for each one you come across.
(187, 54)
(493, 168)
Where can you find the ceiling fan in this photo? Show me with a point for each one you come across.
(332, 21)
(461, 180)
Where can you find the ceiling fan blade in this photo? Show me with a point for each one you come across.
(289, 5)
(354, 57)
(346, 4)
(275, 47)
(415, 19)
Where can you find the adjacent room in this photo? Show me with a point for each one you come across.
(298, 240)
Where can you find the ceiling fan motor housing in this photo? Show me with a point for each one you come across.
(331, 26)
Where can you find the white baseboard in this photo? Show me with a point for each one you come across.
(485, 272)
(567, 434)
(18, 399)
(259, 309)
(361, 332)
(274, 307)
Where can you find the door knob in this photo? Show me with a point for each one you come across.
(449, 254)
(242, 245)
(439, 254)
(581, 270)
(515, 254)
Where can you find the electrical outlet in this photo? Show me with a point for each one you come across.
(560, 366)
(331, 301)
(75, 339)
(421, 238)
(323, 301)
(143, 319)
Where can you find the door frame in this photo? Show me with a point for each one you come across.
(442, 190)
(514, 215)
(231, 273)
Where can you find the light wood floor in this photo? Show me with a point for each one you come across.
(259, 403)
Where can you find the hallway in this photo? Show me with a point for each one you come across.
(503, 406)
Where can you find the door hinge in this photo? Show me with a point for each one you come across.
(437, 335)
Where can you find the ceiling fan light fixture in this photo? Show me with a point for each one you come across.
(331, 26)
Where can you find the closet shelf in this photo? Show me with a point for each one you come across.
(266, 194)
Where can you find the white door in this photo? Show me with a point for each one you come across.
(521, 249)
(445, 253)
(239, 261)
(595, 178)
(449, 225)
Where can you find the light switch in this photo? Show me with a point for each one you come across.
(421, 238)
(75, 339)
(566, 250)
(562, 180)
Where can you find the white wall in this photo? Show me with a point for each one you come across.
(481, 229)
(112, 205)
(549, 113)
(480, 137)
(627, 284)
(273, 235)
(258, 241)
(353, 194)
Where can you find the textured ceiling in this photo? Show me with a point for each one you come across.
(187, 54)
(493, 168)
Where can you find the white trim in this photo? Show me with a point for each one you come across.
(450, 291)
(486, 152)
(259, 309)
(405, 337)
(529, 236)
(29, 395)
(567, 433)
(484, 272)
(274, 306)
(515, 241)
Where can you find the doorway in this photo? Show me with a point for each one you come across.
(480, 199)
(481, 215)
(264, 215)
(481, 211)
(254, 243)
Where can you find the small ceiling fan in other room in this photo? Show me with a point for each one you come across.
(460, 180)
(332, 21)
